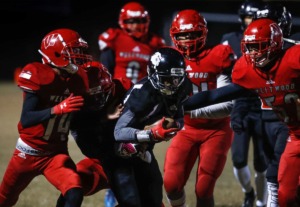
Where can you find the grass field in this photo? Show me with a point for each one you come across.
(41, 193)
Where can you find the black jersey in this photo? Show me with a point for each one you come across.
(144, 105)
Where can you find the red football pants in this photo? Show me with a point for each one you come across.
(289, 174)
(209, 145)
(59, 170)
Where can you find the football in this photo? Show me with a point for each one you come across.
(168, 123)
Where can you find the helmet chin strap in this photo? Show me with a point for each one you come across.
(68, 71)
(166, 92)
(71, 68)
(263, 63)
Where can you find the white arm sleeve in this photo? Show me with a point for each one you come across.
(215, 111)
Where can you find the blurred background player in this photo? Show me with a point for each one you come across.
(247, 123)
(206, 135)
(152, 100)
(280, 14)
(125, 51)
(51, 91)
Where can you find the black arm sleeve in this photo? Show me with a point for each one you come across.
(206, 98)
(107, 58)
(29, 116)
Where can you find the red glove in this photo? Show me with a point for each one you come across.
(160, 132)
(70, 104)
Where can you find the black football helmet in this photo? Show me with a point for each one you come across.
(166, 70)
(279, 14)
(248, 8)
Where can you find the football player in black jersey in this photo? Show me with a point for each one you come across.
(152, 100)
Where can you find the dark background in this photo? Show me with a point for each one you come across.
(24, 23)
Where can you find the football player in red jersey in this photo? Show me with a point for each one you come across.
(206, 134)
(249, 121)
(273, 73)
(125, 51)
(52, 90)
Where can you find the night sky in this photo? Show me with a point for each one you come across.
(24, 23)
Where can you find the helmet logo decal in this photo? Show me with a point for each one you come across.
(262, 13)
(249, 37)
(251, 9)
(186, 26)
(177, 71)
(155, 59)
(134, 13)
(50, 40)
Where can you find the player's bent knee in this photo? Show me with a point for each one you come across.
(171, 185)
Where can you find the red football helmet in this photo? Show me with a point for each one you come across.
(262, 42)
(101, 85)
(107, 87)
(64, 49)
(189, 31)
(134, 19)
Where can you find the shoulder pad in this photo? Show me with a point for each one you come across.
(34, 75)
(107, 38)
(292, 56)
(239, 71)
(224, 56)
(142, 98)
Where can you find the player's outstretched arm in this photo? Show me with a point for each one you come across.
(205, 98)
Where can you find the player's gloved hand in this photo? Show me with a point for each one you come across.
(126, 149)
(237, 125)
(70, 104)
(237, 128)
(164, 130)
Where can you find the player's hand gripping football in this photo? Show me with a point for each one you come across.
(165, 130)
(70, 104)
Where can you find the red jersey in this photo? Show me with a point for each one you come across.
(51, 89)
(278, 88)
(203, 72)
(131, 55)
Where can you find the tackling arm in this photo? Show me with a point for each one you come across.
(215, 111)
(206, 98)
